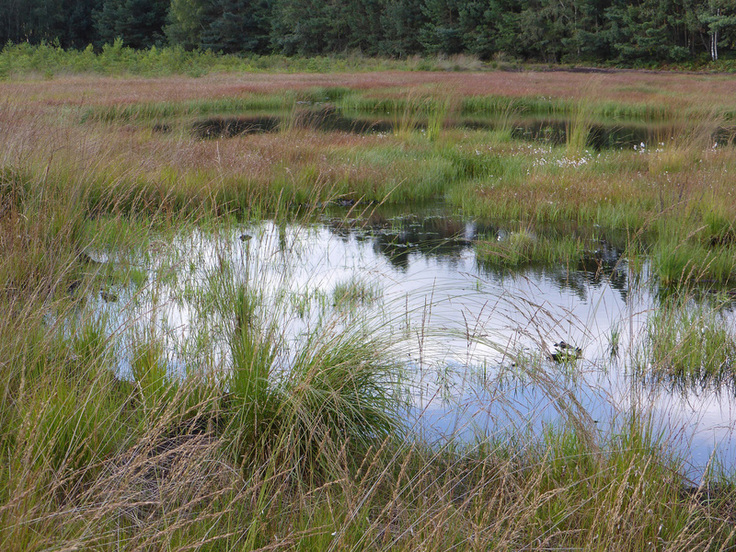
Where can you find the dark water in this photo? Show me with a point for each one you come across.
(474, 341)
(551, 131)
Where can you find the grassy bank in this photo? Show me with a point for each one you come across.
(46, 61)
(242, 441)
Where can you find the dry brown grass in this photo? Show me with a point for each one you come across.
(41, 132)
(656, 88)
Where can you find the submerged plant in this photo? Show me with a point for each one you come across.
(353, 294)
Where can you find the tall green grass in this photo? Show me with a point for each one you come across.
(523, 247)
(299, 455)
(578, 129)
(689, 342)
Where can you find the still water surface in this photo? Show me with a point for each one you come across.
(474, 341)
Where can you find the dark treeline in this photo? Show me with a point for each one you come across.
(553, 31)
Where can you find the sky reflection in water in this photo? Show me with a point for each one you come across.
(457, 325)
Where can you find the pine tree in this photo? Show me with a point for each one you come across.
(441, 32)
(401, 22)
(300, 26)
(185, 23)
(139, 23)
(236, 26)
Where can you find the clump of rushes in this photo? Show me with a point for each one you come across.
(689, 342)
(426, 113)
(149, 368)
(330, 401)
(354, 293)
(681, 262)
(700, 256)
(578, 129)
(252, 398)
(524, 247)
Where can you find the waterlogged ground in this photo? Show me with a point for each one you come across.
(475, 343)
(323, 116)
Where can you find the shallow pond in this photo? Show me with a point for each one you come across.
(476, 344)
(547, 130)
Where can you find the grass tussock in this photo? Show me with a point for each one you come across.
(689, 342)
(523, 247)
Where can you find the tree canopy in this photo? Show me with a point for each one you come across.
(553, 31)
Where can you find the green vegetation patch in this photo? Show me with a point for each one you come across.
(524, 247)
(692, 342)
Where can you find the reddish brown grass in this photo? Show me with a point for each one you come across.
(664, 88)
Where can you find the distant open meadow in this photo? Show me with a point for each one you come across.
(383, 309)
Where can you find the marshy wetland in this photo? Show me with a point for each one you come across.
(370, 311)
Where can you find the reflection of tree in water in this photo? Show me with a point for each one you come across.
(600, 136)
(440, 237)
(396, 253)
(686, 385)
(602, 266)
(445, 238)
